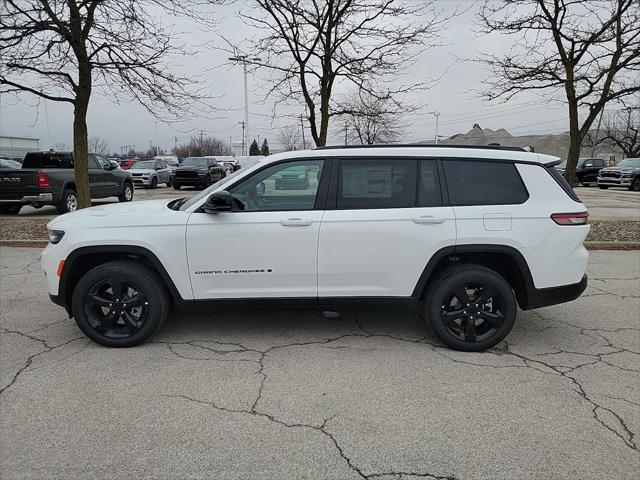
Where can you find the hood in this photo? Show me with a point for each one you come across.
(141, 170)
(620, 169)
(190, 169)
(145, 212)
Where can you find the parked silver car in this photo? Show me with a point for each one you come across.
(149, 173)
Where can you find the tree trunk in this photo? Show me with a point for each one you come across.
(575, 142)
(81, 150)
(80, 132)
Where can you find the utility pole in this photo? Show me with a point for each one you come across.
(230, 145)
(243, 137)
(437, 115)
(304, 142)
(346, 131)
(245, 60)
(175, 145)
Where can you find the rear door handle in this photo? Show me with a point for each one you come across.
(428, 220)
(295, 222)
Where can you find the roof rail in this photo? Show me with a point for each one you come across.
(423, 145)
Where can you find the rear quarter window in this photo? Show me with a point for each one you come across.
(478, 182)
(47, 160)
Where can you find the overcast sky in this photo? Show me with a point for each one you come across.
(453, 96)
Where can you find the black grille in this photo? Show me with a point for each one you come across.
(610, 174)
(186, 174)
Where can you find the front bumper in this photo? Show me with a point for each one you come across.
(190, 182)
(40, 198)
(543, 297)
(615, 182)
(142, 180)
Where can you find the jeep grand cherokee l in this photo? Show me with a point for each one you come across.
(476, 232)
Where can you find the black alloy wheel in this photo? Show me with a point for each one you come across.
(471, 307)
(120, 304)
(635, 185)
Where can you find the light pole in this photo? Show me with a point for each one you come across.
(245, 60)
(437, 115)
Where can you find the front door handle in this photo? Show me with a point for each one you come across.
(427, 220)
(295, 222)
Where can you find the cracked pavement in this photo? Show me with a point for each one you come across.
(292, 394)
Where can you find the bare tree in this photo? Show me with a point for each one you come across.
(372, 119)
(312, 48)
(587, 50)
(98, 145)
(199, 147)
(289, 138)
(621, 129)
(63, 50)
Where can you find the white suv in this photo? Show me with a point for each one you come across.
(466, 233)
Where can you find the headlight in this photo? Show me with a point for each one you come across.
(55, 235)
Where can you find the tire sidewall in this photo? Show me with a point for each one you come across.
(150, 287)
(445, 285)
(63, 208)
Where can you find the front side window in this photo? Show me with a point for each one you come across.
(374, 183)
(478, 182)
(285, 186)
(103, 162)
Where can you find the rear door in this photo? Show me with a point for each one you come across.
(97, 177)
(384, 221)
(111, 181)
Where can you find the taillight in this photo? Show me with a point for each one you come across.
(43, 180)
(579, 218)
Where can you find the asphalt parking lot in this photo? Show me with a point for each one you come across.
(289, 394)
(611, 204)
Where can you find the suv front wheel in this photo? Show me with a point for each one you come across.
(470, 307)
(120, 303)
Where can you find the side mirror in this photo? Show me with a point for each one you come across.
(260, 189)
(219, 202)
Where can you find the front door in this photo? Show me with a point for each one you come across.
(386, 222)
(268, 249)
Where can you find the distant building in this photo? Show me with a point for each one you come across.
(17, 147)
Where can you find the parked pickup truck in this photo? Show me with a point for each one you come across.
(47, 178)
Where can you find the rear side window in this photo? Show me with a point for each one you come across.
(47, 160)
(477, 182)
(429, 194)
(364, 183)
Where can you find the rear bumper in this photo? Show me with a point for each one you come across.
(40, 198)
(543, 297)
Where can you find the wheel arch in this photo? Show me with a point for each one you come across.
(83, 259)
(503, 259)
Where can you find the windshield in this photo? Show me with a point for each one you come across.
(194, 162)
(149, 164)
(193, 200)
(629, 162)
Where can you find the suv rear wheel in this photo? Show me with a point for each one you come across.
(470, 307)
(120, 304)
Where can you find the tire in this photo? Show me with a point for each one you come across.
(127, 193)
(603, 187)
(94, 298)
(11, 209)
(635, 185)
(154, 183)
(68, 201)
(177, 187)
(575, 182)
(473, 282)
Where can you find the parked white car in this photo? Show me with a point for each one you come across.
(466, 234)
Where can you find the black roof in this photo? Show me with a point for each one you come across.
(423, 145)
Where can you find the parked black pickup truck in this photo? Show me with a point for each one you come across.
(47, 178)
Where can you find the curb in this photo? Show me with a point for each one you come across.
(24, 243)
(612, 245)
